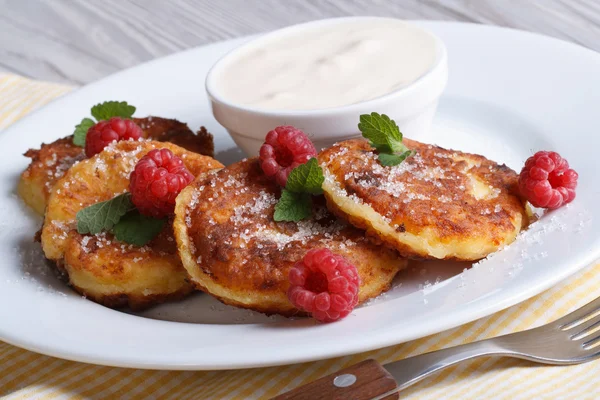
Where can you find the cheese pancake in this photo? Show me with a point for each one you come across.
(110, 272)
(233, 249)
(51, 161)
(437, 204)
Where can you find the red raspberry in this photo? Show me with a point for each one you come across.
(105, 132)
(156, 181)
(284, 149)
(324, 284)
(547, 181)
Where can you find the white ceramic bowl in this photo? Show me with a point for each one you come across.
(412, 107)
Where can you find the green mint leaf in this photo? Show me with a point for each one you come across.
(110, 109)
(385, 136)
(81, 131)
(292, 206)
(390, 159)
(306, 178)
(379, 129)
(103, 216)
(295, 203)
(381, 148)
(137, 229)
(399, 148)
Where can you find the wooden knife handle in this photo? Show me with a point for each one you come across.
(371, 380)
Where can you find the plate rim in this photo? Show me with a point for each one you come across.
(460, 317)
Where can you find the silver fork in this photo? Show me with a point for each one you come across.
(573, 339)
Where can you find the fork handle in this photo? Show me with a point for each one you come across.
(373, 381)
(370, 379)
(413, 369)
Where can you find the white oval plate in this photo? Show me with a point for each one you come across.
(510, 93)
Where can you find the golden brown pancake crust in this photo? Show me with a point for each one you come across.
(463, 205)
(173, 131)
(51, 161)
(232, 248)
(100, 267)
(47, 166)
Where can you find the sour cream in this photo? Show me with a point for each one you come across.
(330, 65)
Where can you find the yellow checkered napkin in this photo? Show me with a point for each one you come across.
(27, 375)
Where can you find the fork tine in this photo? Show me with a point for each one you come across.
(577, 317)
(591, 344)
(587, 328)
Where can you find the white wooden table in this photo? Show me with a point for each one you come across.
(78, 41)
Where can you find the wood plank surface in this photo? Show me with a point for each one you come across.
(79, 41)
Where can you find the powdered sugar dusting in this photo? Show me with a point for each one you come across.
(331, 182)
(259, 205)
(250, 232)
(61, 167)
(84, 242)
(531, 242)
(421, 177)
(62, 228)
(192, 205)
(306, 231)
(128, 157)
